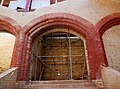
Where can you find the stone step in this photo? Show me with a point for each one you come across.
(57, 85)
(71, 84)
(59, 82)
(60, 86)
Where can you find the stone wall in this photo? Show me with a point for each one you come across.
(111, 78)
(8, 79)
(118, 1)
(111, 39)
(7, 41)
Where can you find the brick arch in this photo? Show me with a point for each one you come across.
(107, 22)
(9, 25)
(103, 25)
(14, 28)
(76, 23)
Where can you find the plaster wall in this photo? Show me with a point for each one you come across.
(111, 40)
(6, 49)
(91, 10)
(111, 78)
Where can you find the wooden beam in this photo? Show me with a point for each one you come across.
(70, 57)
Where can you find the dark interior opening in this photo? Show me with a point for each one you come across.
(58, 56)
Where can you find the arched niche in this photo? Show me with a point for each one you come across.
(111, 41)
(77, 24)
(59, 54)
(10, 26)
(108, 28)
(7, 41)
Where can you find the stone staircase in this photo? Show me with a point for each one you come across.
(60, 84)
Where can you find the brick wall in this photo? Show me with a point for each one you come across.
(82, 8)
(118, 1)
(8, 79)
(58, 66)
(1, 70)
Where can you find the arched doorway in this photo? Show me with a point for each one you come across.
(73, 22)
(58, 54)
(12, 28)
(109, 29)
(111, 40)
(7, 41)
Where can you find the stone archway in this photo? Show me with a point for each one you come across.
(12, 27)
(107, 28)
(78, 24)
(58, 54)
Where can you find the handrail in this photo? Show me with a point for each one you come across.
(7, 72)
(8, 79)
